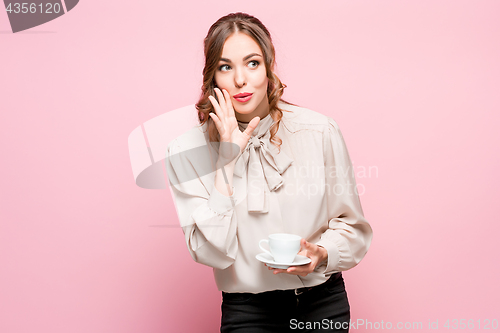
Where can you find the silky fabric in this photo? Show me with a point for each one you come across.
(265, 166)
(305, 187)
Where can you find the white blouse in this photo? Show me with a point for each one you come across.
(308, 189)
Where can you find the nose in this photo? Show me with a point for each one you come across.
(239, 78)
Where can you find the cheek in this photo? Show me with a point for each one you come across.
(221, 81)
(262, 81)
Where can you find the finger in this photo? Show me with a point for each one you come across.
(215, 103)
(217, 117)
(300, 270)
(217, 122)
(313, 248)
(278, 270)
(309, 247)
(294, 271)
(251, 126)
(301, 273)
(304, 244)
(222, 102)
(229, 103)
(217, 108)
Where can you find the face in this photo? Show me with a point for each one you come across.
(242, 71)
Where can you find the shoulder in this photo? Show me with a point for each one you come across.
(297, 118)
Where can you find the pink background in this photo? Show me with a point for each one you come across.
(414, 86)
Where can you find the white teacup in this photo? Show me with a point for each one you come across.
(284, 247)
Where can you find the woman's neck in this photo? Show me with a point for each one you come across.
(261, 111)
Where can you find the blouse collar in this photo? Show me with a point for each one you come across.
(263, 125)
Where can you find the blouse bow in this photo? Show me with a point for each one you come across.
(264, 167)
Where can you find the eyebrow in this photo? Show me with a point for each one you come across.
(247, 57)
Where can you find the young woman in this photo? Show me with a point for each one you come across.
(277, 168)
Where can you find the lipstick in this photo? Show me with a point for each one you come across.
(243, 97)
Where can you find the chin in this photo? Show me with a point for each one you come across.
(245, 110)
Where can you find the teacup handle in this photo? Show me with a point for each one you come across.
(263, 249)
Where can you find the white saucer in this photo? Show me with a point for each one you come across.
(267, 259)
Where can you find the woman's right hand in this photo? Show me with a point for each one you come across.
(227, 125)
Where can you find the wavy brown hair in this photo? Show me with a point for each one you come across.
(213, 45)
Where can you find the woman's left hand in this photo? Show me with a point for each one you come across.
(316, 253)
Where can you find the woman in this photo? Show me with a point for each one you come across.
(276, 168)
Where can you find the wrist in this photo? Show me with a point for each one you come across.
(225, 163)
(324, 255)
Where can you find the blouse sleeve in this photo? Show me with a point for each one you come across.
(349, 234)
(207, 218)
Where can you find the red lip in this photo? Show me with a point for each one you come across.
(242, 95)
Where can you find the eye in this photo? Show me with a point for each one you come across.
(254, 62)
(221, 68)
